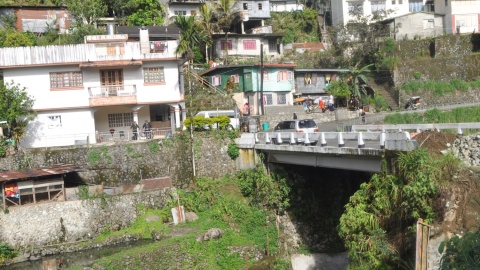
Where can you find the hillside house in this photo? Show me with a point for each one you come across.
(278, 83)
(93, 92)
(415, 25)
(247, 45)
(312, 82)
(459, 16)
(181, 8)
(38, 19)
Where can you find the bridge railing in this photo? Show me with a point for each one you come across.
(459, 127)
(377, 140)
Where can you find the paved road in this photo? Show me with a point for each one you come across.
(378, 117)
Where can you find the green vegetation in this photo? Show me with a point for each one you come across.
(247, 227)
(439, 88)
(95, 157)
(298, 27)
(461, 253)
(202, 123)
(6, 253)
(378, 224)
(16, 108)
(233, 151)
(457, 115)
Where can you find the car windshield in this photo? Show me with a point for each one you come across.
(306, 124)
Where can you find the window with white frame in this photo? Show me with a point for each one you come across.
(378, 6)
(267, 99)
(284, 75)
(66, 79)
(355, 8)
(265, 74)
(235, 78)
(260, 6)
(249, 44)
(281, 99)
(180, 12)
(120, 120)
(393, 2)
(153, 75)
(55, 121)
(415, 5)
(216, 80)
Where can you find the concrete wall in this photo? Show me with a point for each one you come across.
(30, 227)
(122, 163)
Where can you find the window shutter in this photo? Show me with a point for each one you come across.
(290, 75)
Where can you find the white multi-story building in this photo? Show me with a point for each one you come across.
(93, 92)
(344, 11)
(461, 16)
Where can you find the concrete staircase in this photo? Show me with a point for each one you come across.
(380, 89)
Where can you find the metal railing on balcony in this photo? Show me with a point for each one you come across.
(112, 90)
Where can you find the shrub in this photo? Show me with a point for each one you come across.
(6, 252)
(233, 151)
(461, 253)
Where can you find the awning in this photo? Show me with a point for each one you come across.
(111, 63)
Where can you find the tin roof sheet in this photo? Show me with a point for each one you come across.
(29, 174)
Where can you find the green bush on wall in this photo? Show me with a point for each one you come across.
(202, 123)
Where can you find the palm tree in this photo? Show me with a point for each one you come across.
(227, 14)
(190, 36)
(205, 22)
(358, 79)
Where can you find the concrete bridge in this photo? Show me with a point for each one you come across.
(363, 149)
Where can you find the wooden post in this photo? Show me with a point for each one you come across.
(423, 234)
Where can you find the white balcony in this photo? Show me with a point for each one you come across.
(112, 91)
(112, 95)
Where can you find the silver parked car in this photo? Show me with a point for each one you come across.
(298, 126)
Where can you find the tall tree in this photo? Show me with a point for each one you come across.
(16, 108)
(86, 12)
(206, 23)
(358, 77)
(227, 14)
(357, 42)
(145, 13)
(191, 35)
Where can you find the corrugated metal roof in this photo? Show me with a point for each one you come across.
(29, 174)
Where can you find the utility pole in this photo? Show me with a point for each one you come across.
(261, 80)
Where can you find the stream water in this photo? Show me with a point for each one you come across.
(79, 258)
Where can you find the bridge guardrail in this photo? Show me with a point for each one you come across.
(417, 127)
(379, 140)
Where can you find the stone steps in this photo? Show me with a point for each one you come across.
(380, 89)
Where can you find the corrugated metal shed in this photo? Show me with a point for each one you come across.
(30, 174)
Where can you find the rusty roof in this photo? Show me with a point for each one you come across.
(29, 174)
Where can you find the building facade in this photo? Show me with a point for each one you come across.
(461, 16)
(344, 11)
(85, 93)
(312, 82)
(278, 83)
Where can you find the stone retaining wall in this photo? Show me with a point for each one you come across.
(30, 228)
(126, 163)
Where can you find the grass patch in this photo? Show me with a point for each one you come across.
(247, 227)
(439, 88)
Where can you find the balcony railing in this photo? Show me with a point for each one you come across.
(112, 91)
